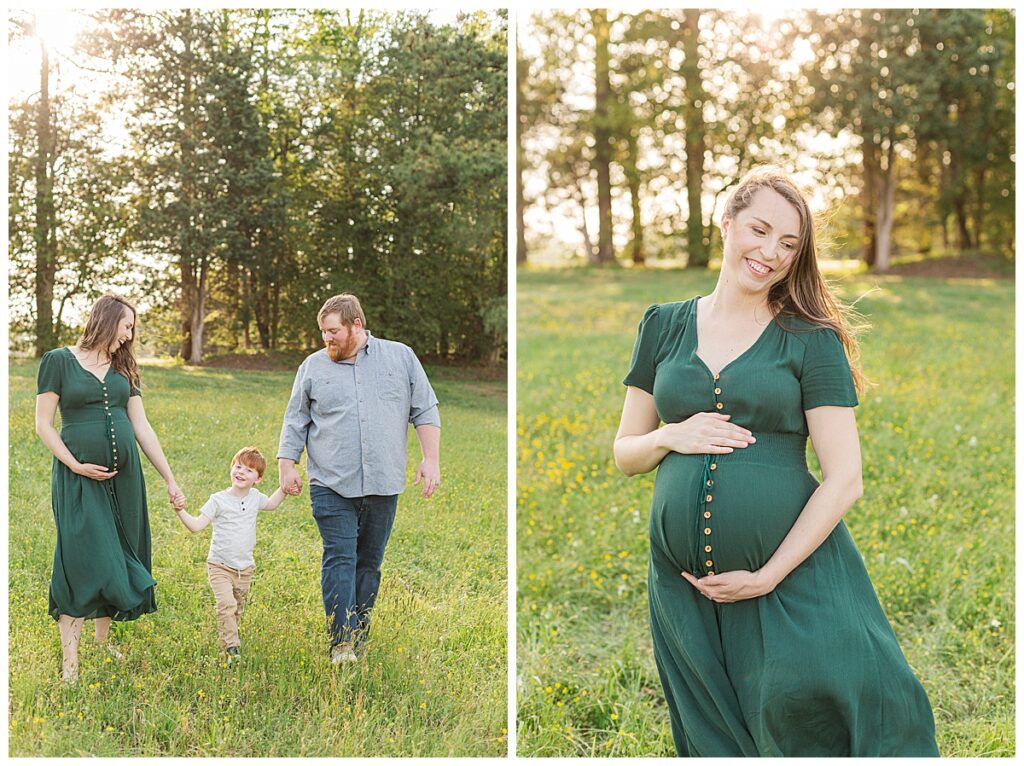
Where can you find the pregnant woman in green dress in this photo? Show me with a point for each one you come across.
(102, 564)
(768, 635)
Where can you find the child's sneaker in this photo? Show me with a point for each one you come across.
(234, 655)
(342, 653)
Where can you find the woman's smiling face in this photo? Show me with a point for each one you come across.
(761, 241)
(125, 330)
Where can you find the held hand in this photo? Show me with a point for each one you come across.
(727, 587)
(177, 497)
(96, 472)
(704, 433)
(431, 475)
(290, 481)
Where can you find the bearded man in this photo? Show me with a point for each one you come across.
(350, 407)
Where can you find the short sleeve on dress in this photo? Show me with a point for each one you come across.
(643, 363)
(826, 378)
(49, 377)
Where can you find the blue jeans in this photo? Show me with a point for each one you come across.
(354, 531)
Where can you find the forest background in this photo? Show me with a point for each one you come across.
(237, 167)
(633, 125)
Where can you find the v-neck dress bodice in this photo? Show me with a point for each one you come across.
(102, 562)
(812, 668)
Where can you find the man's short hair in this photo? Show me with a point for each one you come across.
(252, 458)
(346, 306)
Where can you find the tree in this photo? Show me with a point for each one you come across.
(204, 177)
(522, 70)
(603, 136)
(43, 218)
(276, 158)
(66, 210)
(560, 41)
(960, 53)
(697, 253)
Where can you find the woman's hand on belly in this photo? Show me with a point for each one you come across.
(95, 472)
(704, 433)
(727, 587)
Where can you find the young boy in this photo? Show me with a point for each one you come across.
(230, 564)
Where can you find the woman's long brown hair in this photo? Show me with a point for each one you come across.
(803, 292)
(101, 332)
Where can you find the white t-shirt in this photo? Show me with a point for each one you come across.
(234, 527)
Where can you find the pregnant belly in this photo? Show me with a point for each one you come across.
(94, 443)
(756, 496)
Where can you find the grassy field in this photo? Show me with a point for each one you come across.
(935, 526)
(434, 682)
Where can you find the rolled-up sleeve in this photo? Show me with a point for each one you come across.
(423, 402)
(296, 418)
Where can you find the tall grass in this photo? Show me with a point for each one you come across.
(434, 679)
(935, 525)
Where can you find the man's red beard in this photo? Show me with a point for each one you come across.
(338, 353)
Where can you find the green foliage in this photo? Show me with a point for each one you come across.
(935, 525)
(929, 94)
(833, 96)
(435, 677)
(281, 156)
(89, 207)
(410, 173)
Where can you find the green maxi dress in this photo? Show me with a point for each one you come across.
(812, 668)
(102, 563)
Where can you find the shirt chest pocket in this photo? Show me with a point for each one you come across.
(391, 387)
(329, 395)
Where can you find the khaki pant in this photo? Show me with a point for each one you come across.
(230, 589)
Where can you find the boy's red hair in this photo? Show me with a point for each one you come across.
(252, 458)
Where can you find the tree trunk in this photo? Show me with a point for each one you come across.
(886, 209)
(186, 255)
(869, 198)
(199, 317)
(188, 291)
(633, 180)
(44, 235)
(588, 244)
(261, 312)
(958, 200)
(521, 72)
(603, 136)
(697, 253)
(925, 176)
(960, 208)
(979, 214)
(275, 303)
(245, 279)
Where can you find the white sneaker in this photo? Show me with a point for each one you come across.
(343, 652)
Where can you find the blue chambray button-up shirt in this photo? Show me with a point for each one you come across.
(352, 417)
